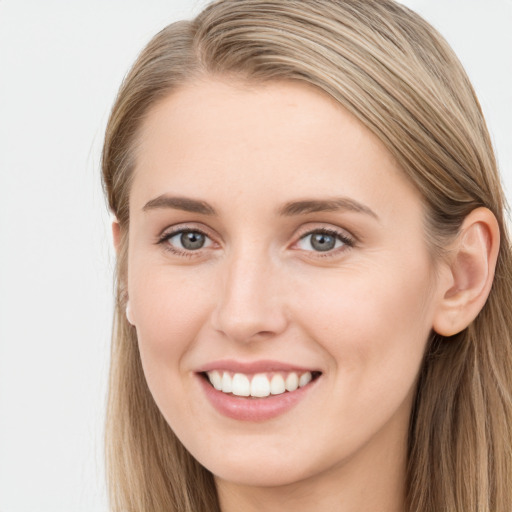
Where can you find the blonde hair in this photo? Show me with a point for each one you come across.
(397, 75)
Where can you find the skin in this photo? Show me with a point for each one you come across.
(258, 289)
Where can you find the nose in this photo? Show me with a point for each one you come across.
(251, 305)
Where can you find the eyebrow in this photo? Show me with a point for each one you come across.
(179, 203)
(325, 205)
(288, 210)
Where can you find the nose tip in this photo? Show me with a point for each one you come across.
(248, 325)
(250, 306)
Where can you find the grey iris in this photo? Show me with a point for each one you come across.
(322, 241)
(192, 240)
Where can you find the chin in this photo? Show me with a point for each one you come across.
(261, 476)
(257, 469)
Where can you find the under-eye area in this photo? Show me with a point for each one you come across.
(259, 385)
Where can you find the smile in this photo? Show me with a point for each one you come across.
(259, 385)
(258, 390)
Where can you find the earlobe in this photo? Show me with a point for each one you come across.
(129, 316)
(470, 273)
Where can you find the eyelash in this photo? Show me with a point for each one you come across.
(347, 241)
(164, 241)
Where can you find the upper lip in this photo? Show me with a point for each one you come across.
(260, 366)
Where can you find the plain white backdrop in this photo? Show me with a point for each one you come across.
(61, 63)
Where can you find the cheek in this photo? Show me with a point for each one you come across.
(169, 310)
(374, 328)
(371, 321)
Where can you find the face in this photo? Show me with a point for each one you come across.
(279, 282)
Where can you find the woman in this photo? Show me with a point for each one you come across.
(313, 269)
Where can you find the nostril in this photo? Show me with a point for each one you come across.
(264, 334)
(249, 308)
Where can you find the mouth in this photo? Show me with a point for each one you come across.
(259, 385)
(256, 391)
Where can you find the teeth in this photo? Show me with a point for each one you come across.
(260, 385)
(227, 385)
(216, 379)
(292, 382)
(277, 385)
(305, 378)
(241, 385)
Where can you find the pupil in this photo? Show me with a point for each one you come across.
(323, 242)
(192, 240)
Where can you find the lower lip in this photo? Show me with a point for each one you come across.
(253, 409)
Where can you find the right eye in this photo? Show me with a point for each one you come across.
(185, 240)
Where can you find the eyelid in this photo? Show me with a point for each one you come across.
(172, 231)
(314, 227)
(184, 227)
(348, 239)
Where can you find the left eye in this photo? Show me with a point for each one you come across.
(321, 241)
(188, 240)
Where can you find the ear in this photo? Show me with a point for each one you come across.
(469, 274)
(116, 235)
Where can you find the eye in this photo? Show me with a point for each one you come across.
(185, 240)
(323, 241)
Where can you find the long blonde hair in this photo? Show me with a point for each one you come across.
(397, 75)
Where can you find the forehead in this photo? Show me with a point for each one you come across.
(280, 138)
(211, 109)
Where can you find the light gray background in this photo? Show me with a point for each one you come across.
(60, 65)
